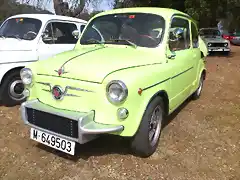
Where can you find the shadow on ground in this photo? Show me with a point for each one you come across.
(222, 54)
(107, 144)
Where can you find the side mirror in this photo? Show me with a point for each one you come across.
(176, 34)
(76, 33)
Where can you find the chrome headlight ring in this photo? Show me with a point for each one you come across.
(116, 92)
(26, 76)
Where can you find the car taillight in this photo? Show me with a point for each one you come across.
(227, 37)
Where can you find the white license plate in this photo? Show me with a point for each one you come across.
(216, 49)
(53, 141)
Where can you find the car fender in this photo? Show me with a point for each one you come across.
(202, 46)
(7, 67)
(142, 88)
(147, 96)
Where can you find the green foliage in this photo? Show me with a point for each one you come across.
(10, 8)
(206, 12)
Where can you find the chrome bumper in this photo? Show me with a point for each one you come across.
(87, 128)
(219, 49)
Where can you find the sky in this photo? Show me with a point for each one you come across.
(104, 5)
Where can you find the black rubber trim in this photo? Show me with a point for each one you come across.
(167, 79)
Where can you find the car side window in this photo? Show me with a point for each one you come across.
(194, 35)
(62, 33)
(59, 33)
(82, 27)
(47, 36)
(183, 41)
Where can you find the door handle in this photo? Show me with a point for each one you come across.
(171, 56)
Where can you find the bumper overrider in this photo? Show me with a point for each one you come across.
(71, 125)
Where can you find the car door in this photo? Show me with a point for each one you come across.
(196, 52)
(57, 38)
(181, 61)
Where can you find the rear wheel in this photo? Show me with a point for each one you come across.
(145, 141)
(12, 89)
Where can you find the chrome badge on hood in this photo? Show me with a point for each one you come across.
(60, 71)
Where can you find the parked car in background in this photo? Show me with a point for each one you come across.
(233, 37)
(148, 63)
(26, 38)
(214, 40)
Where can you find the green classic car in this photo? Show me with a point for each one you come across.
(130, 69)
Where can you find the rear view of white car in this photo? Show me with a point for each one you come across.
(26, 38)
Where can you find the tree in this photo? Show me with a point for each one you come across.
(206, 12)
(11, 7)
(62, 8)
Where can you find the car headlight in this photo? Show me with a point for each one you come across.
(116, 91)
(226, 44)
(26, 76)
(209, 44)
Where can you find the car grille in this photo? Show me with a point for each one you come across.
(217, 45)
(51, 122)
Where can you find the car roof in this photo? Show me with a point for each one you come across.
(47, 17)
(164, 12)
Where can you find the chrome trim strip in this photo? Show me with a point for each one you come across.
(88, 129)
(66, 88)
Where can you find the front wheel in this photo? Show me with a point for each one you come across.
(12, 89)
(145, 141)
(198, 92)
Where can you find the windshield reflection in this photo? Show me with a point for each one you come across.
(20, 28)
(133, 29)
(210, 32)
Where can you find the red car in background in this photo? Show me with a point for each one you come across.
(233, 37)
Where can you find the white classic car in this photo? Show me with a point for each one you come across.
(214, 40)
(26, 38)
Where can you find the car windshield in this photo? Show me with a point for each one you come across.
(20, 28)
(135, 29)
(210, 32)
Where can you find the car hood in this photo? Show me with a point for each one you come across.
(12, 44)
(95, 63)
(217, 39)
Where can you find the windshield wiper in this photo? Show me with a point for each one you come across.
(125, 40)
(95, 41)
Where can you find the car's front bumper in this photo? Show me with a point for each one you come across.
(87, 128)
(218, 49)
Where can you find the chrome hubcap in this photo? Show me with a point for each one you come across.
(200, 87)
(16, 90)
(155, 125)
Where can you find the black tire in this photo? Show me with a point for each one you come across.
(196, 95)
(140, 143)
(7, 98)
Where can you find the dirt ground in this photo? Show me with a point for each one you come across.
(201, 141)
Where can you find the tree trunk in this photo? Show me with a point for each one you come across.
(62, 8)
